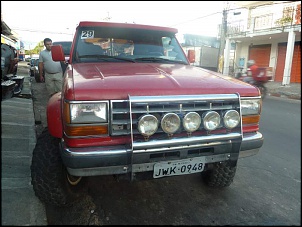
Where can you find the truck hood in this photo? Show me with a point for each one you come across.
(107, 81)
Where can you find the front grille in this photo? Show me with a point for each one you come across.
(136, 106)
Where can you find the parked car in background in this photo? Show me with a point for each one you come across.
(34, 69)
(32, 63)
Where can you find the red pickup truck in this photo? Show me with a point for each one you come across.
(132, 106)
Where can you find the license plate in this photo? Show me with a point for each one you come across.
(180, 167)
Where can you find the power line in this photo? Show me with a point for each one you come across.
(275, 3)
(31, 30)
(196, 19)
(266, 4)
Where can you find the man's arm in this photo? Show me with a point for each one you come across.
(41, 68)
(11, 66)
(11, 61)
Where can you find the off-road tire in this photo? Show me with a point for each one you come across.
(37, 78)
(222, 175)
(49, 176)
(263, 91)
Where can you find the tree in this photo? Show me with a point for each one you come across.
(38, 48)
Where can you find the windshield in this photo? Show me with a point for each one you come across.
(103, 44)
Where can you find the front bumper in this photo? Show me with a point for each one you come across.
(95, 161)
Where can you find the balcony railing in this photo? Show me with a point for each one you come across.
(266, 17)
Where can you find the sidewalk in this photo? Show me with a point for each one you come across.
(20, 206)
(292, 91)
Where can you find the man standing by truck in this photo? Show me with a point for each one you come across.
(53, 70)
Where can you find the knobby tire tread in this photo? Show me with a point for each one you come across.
(48, 173)
(222, 175)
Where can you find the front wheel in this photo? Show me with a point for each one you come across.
(51, 182)
(221, 175)
(238, 75)
(37, 78)
(263, 90)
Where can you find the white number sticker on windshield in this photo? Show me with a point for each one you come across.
(87, 34)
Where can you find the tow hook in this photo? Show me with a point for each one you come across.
(73, 180)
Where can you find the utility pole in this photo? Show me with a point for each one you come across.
(108, 18)
(223, 32)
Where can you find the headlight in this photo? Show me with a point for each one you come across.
(231, 119)
(170, 123)
(251, 106)
(88, 112)
(211, 120)
(147, 125)
(191, 121)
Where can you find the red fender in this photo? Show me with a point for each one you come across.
(54, 116)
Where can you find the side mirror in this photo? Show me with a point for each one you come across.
(57, 53)
(191, 56)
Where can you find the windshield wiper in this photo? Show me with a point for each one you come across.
(154, 59)
(105, 57)
(121, 58)
(97, 56)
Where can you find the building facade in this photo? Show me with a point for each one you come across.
(10, 37)
(268, 32)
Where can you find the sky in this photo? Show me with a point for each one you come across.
(34, 21)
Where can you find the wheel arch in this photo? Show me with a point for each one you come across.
(54, 116)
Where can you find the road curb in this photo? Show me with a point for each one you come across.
(292, 96)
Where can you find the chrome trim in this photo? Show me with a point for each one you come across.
(254, 97)
(86, 101)
(251, 137)
(121, 124)
(113, 150)
(97, 171)
(188, 147)
(84, 172)
(182, 98)
(183, 141)
(131, 122)
(95, 151)
(251, 144)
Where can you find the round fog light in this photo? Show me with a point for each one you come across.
(147, 125)
(231, 119)
(170, 123)
(191, 121)
(211, 120)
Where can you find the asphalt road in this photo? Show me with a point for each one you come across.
(266, 189)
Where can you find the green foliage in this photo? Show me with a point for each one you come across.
(38, 48)
(284, 20)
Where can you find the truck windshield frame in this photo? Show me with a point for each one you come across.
(127, 44)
